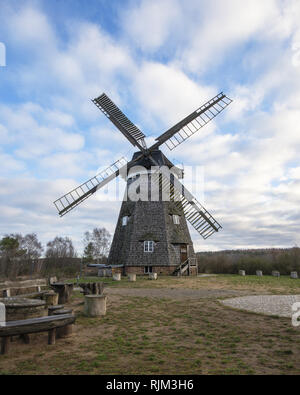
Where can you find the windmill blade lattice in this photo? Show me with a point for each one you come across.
(112, 112)
(194, 122)
(194, 212)
(71, 199)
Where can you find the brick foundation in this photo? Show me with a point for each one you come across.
(160, 270)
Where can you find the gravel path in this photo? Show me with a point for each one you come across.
(280, 305)
(172, 293)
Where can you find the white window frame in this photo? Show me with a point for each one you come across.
(125, 220)
(176, 219)
(147, 269)
(148, 246)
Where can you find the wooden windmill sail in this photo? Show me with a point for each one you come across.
(152, 233)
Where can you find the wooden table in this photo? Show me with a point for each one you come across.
(64, 291)
(22, 308)
(95, 288)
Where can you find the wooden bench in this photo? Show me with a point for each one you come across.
(34, 325)
(52, 309)
(17, 288)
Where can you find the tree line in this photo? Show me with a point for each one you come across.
(25, 255)
(230, 262)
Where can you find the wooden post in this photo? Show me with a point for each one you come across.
(51, 336)
(25, 338)
(51, 298)
(132, 277)
(94, 305)
(64, 331)
(5, 344)
(52, 280)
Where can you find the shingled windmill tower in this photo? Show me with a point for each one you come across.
(152, 232)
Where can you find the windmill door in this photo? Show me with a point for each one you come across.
(183, 253)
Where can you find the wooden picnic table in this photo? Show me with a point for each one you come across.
(19, 308)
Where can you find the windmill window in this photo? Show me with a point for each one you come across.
(176, 219)
(124, 221)
(148, 246)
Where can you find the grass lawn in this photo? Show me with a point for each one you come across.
(142, 335)
(265, 284)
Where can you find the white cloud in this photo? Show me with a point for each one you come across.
(4, 135)
(250, 152)
(167, 93)
(30, 136)
(148, 24)
(9, 165)
(221, 26)
(26, 206)
(30, 27)
(294, 173)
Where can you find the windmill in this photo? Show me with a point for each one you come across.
(152, 234)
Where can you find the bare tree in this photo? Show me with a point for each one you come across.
(32, 250)
(60, 256)
(60, 248)
(29, 244)
(10, 254)
(97, 243)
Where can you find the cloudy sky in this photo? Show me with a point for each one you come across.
(158, 60)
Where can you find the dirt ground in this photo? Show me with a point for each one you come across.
(166, 328)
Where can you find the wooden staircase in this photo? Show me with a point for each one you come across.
(186, 267)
